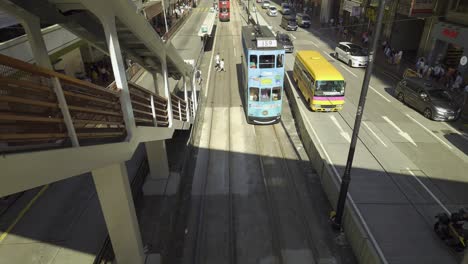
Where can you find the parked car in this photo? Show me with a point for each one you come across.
(285, 9)
(429, 98)
(272, 11)
(303, 20)
(288, 23)
(265, 4)
(285, 40)
(259, 1)
(354, 55)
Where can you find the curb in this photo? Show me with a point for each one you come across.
(359, 236)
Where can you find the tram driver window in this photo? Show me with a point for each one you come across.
(253, 95)
(267, 61)
(253, 61)
(279, 61)
(265, 95)
(276, 94)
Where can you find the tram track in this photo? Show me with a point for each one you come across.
(202, 246)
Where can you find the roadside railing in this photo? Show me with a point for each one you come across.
(31, 117)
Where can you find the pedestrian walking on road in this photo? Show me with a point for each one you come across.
(221, 65)
(217, 61)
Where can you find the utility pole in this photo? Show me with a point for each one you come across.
(336, 218)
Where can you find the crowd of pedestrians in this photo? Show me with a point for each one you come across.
(451, 78)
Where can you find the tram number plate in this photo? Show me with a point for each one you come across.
(266, 43)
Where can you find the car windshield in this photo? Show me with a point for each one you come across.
(330, 88)
(356, 50)
(285, 6)
(266, 2)
(272, 8)
(305, 18)
(440, 95)
(284, 37)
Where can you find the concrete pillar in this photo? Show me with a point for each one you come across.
(118, 67)
(167, 92)
(32, 27)
(158, 167)
(187, 103)
(115, 196)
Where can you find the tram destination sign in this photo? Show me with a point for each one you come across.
(266, 43)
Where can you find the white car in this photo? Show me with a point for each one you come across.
(354, 55)
(266, 4)
(272, 11)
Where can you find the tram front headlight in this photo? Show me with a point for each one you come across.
(265, 113)
(316, 106)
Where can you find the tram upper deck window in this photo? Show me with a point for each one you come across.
(276, 94)
(279, 61)
(253, 62)
(267, 61)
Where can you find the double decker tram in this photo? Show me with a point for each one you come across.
(224, 10)
(263, 75)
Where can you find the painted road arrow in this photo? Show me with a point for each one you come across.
(401, 132)
(342, 132)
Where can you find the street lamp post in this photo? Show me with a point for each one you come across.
(336, 219)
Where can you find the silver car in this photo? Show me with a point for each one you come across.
(354, 55)
(272, 11)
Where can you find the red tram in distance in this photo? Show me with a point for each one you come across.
(224, 10)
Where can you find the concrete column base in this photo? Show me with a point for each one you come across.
(162, 186)
(153, 259)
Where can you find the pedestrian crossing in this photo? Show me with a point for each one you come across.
(201, 9)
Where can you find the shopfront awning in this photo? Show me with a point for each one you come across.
(7, 20)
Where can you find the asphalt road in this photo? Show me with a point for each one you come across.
(406, 169)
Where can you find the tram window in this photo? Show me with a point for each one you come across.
(267, 61)
(253, 95)
(279, 61)
(276, 94)
(253, 61)
(265, 95)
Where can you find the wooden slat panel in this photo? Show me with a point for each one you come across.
(31, 118)
(80, 121)
(95, 111)
(141, 104)
(25, 85)
(100, 134)
(13, 99)
(8, 136)
(142, 112)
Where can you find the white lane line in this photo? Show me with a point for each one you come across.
(456, 131)
(315, 44)
(211, 63)
(429, 191)
(346, 69)
(330, 55)
(430, 132)
(294, 37)
(342, 132)
(337, 175)
(381, 95)
(375, 134)
(400, 132)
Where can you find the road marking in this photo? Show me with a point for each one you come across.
(375, 134)
(429, 191)
(294, 37)
(456, 131)
(430, 132)
(235, 52)
(342, 132)
(401, 132)
(23, 212)
(315, 44)
(381, 95)
(352, 73)
(211, 63)
(337, 175)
